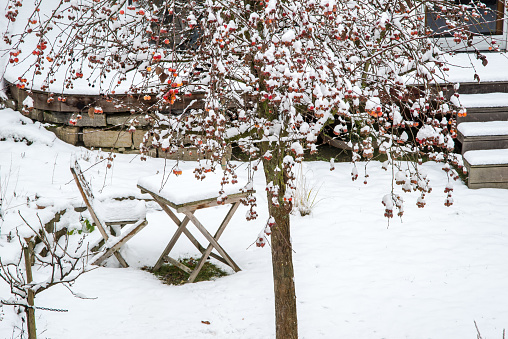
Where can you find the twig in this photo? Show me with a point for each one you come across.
(478, 335)
(54, 166)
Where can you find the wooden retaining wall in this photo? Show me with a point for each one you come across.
(107, 130)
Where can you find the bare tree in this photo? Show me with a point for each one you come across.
(57, 260)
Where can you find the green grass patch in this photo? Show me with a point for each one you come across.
(172, 275)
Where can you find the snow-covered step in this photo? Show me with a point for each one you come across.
(483, 135)
(487, 168)
(485, 107)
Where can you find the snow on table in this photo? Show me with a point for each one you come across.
(487, 157)
(484, 100)
(489, 128)
(186, 188)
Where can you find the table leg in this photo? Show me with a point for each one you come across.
(172, 242)
(212, 241)
(177, 221)
(189, 235)
(209, 249)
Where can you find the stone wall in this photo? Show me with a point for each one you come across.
(107, 130)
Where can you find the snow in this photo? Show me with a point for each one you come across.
(463, 66)
(484, 100)
(87, 85)
(487, 157)
(14, 126)
(488, 128)
(28, 102)
(429, 275)
(120, 210)
(178, 189)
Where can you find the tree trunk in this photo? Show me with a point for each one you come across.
(30, 311)
(283, 276)
(286, 323)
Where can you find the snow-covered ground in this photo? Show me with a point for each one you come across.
(429, 275)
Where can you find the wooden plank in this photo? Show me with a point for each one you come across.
(209, 237)
(178, 264)
(120, 259)
(189, 235)
(195, 205)
(96, 220)
(177, 221)
(226, 220)
(100, 226)
(217, 257)
(490, 174)
(113, 103)
(484, 87)
(483, 142)
(219, 232)
(121, 241)
(99, 120)
(233, 198)
(171, 244)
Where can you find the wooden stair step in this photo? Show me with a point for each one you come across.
(485, 107)
(483, 135)
(486, 86)
(487, 168)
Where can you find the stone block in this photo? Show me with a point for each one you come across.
(137, 138)
(124, 119)
(152, 153)
(99, 120)
(106, 139)
(69, 134)
(56, 118)
(185, 154)
(191, 154)
(36, 114)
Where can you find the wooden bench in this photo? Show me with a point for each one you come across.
(114, 231)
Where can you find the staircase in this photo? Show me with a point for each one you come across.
(483, 134)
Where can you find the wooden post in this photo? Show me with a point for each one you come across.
(30, 311)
